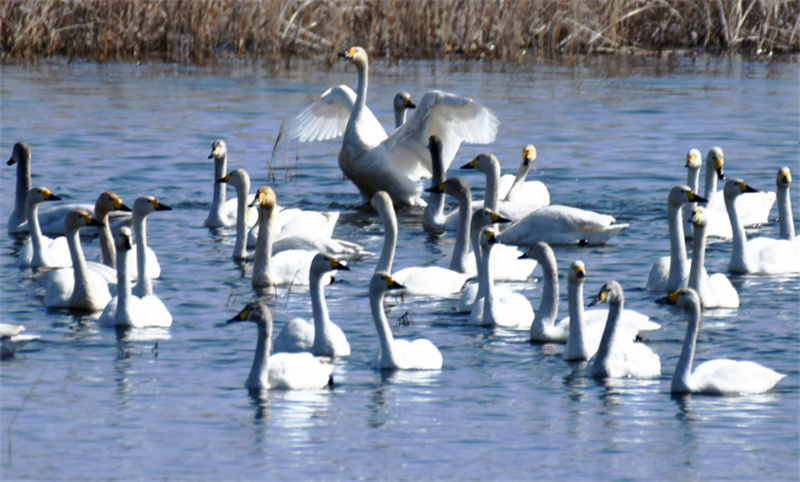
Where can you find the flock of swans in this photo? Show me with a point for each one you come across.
(510, 233)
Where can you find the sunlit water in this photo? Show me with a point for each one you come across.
(612, 135)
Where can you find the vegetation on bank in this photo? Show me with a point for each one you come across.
(203, 31)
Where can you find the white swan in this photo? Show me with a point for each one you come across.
(223, 211)
(716, 290)
(514, 188)
(322, 337)
(397, 163)
(618, 356)
(672, 272)
(106, 203)
(399, 354)
(694, 160)
(488, 164)
(80, 287)
(147, 265)
(126, 309)
(785, 217)
(401, 103)
(40, 251)
(720, 376)
(544, 327)
(291, 371)
(760, 255)
(12, 340)
(556, 224)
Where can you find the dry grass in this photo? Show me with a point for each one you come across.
(201, 31)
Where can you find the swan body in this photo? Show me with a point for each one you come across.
(126, 309)
(12, 340)
(80, 287)
(147, 266)
(397, 163)
(785, 217)
(40, 251)
(760, 255)
(556, 224)
(398, 354)
(716, 290)
(716, 377)
(617, 355)
(672, 272)
(223, 211)
(322, 337)
(291, 371)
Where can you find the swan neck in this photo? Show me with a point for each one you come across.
(614, 309)
(259, 372)
(319, 309)
(35, 230)
(519, 181)
(144, 285)
(575, 342)
(678, 269)
(683, 370)
(262, 259)
(108, 251)
(361, 90)
(78, 261)
(123, 287)
(389, 239)
(492, 181)
(434, 211)
(785, 216)
(739, 247)
(548, 306)
(698, 257)
(220, 188)
(461, 246)
(399, 117)
(382, 326)
(711, 181)
(23, 186)
(242, 191)
(475, 237)
(486, 282)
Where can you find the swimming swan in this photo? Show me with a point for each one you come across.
(80, 287)
(399, 354)
(716, 377)
(785, 217)
(556, 224)
(716, 290)
(618, 356)
(126, 309)
(39, 250)
(292, 371)
(322, 337)
(397, 163)
(760, 255)
(12, 340)
(106, 203)
(147, 266)
(672, 272)
(514, 188)
(223, 211)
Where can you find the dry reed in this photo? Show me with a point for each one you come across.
(201, 31)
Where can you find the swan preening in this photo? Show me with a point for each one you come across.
(281, 370)
(715, 290)
(12, 339)
(720, 376)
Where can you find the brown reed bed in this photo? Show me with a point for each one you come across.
(203, 31)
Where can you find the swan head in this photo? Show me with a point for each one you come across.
(684, 298)
(39, 194)
(237, 178)
(265, 198)
(735, 186)
(540, 251)
(323, 263)
(717, 159)
(107, 202)
(487, 239)
(485, 217)
(681, 194)
(611, 292)
(145, 205)
(219, 150)
(577, 272)
(257, 312)
(357, 55)
(382, 282)
(528, 154)
(482, 162)
(124, 239)
(402, 101)
(694, 159)
(19, 153)
(699, 217)
(77, 219)
(784, 178)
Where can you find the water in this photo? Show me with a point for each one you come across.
(612, 135)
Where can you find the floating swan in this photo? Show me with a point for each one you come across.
(80, 287)
(147, 266)
(283, 370)
(618, 356)
(40, 251)
(126, 309)
(488, 164)
(399, 354)
(322, 337)
(556, 224)
(785, 217)
(12, 340)
(516, 189)
(720, 376)
(760, 255)
(716, 290)
(694, 160)
(672, 272)
(223, 211)
(397, 163)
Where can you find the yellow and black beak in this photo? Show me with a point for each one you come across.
(225, 178)
(392, 284)
(336, 264)
(497, 218)
(491, 237)
(11, 161)
(580, 272)
(669, 299)
(437, 188)
(470, 164)
(241, 316)
(746, 187)
(601, 297)
(160, 207)
(49, 196)
(126, 243)
(90, 221)
(695, 198)
(720, 169)
(120, 206)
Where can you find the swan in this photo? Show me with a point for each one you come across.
(618, 356)
(544, 328)
(488, 164)
(292, 371)
(397, 163)
(716, 377)
(80, 287)
(40, 251)
(106, 203)
(126, 309)
(785, 217)
(556, 224)
(51, 220)
(434, 220)
(694, 160)
(399, 354)
(671, 272)
(760, 255)
(497, 308)
(716, 290)
(401, 103)
(514, 188)
(382, 203)
(322, 337)
(12, 340)
(147, 266)
(223, 211)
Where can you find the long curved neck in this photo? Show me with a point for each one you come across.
(693, 181)
(389, 239)
(263, 251)
(548, 306)
(486, 282)
(475, 237)
(711, 180)
(519, 181)
(35, 230)
(399, 117)
(683, 370)
(492, 181)
(259, 372)
(220, 192)
(123, 289)
(108, 251)
(677, 248)
(144, 285)
(361, 91)
(739, 249)
(240, 248)
(698, 257)
(384, 331)
(576, 346)
(434, 211)
(614, 309)
(79, 269)
(461, 246)
(23, 186)
(785, 216)
(319, 310)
